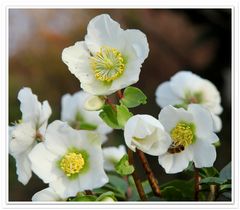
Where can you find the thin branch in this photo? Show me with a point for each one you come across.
(151, 177)
(136, 178)
(197, 185)
(212, 193)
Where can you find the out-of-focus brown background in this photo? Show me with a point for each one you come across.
(179, 39)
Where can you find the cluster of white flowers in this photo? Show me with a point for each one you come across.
(68, 154)
(69, 159)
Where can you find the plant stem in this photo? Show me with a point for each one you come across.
(136, 178)
(119, 94)
(212, 193)
(197, 180)
(151, 177)
(88, 192)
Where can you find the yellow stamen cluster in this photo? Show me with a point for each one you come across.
(72, 163)
(108, 64)
(182, 134)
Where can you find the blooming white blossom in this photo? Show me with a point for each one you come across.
(47, 194)
(74, 112)
(147, 134)
(69, 160)
(24, 135)
(109, 59)
(186, 88)
(112, 155)
(192, 136)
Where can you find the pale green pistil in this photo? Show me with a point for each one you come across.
(107, 64)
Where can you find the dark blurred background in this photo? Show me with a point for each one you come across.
(179, 39)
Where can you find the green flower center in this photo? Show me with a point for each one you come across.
(183, 134)
(193, 98)
(108, 64)
(72, 163)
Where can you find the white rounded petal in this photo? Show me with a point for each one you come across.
(203, 122)
(175, 163)
(76, 57)
(47, 194)
(30, 106)
(44, 163)
(23, 166)
(165, 95)
(22, 138)
(103, 31)
(170, 116)
(112, 155)
(217, 123)
(183, 81)
(138, 43)
(204, 153)
(147, 134)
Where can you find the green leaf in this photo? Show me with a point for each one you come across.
(186, 187)
(133, 97)
(107, 195)
(84, 198)
(109, 116)
(123, 167)
(212, 180)
(123, 115)
(225, 173)
(171, 193)
(87, 126)
(208, 172)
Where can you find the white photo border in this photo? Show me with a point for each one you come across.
(68, 4)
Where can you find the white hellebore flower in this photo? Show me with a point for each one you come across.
(187, 88)
(25, 134)
(112, 155)
(147, 134)
(74, 112)
(45, 195)
(69, 160)
(192, 137)
(109, 59)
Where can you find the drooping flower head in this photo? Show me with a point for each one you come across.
(30, 129)
(69, 160)
(147, 134)
(192, 138)
(187, 88)
(74, 112)
(109, 59)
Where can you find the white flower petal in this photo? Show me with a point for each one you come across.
(103, 31)
(23, 166)
(175, 163)
(147, 134)
(47, 194)
(204, 122)
(170, 116)
(112, 155)
(76, 57)
(165, 96)
(44, 163)
(30, 106)
(217, 123)
(138, 43)
(204, 154)
(73, 105)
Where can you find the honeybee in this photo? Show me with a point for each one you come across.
(175, 149)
